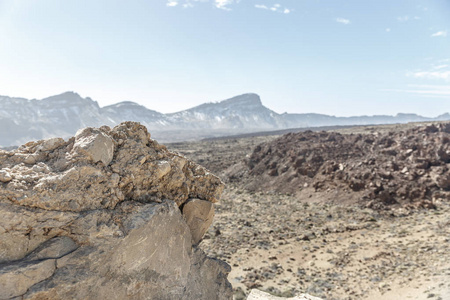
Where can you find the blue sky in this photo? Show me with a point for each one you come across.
(336, 57)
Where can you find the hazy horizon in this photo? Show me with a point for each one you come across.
(215, 102)
(329, 57)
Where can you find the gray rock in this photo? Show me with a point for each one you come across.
(16, 279)
(199, 215)
(153, 260)
(53, 249)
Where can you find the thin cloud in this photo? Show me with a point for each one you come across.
(437, 70)
(275, 8)
(442, 33)
(343, 21)
(388, 30)
(440, 67)
(172, 3)
(424, 90)
(441, 75)
(223, 4)
(407, 18)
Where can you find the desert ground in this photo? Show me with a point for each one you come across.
(325, 240)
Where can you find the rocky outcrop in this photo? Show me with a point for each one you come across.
(108, 214)
(409, 167)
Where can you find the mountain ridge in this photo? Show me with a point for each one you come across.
(22, 119)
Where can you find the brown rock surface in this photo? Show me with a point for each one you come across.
(98, 217)
(406, 167)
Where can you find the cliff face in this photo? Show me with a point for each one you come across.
(108, 214)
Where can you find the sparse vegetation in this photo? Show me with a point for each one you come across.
(305, 242)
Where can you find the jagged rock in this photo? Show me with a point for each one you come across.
(405, 167)
(95, 144)
(199, 215)
(260, 295)
(140, 169)
(98, 217)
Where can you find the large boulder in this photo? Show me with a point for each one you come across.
(99, 217)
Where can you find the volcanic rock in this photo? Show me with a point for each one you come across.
(406, 167)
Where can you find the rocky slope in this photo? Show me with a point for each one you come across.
(108, 214)
(62, 115)
(409, 167)
(326, 241)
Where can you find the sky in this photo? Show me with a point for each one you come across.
(334, 57)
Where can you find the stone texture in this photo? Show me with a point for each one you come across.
(16, 279)
(199, 215)
(98, 217)
(140, 169)
(5, 176)
(95, 144)
(53, 249)
(23, 229)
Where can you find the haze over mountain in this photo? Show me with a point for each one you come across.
(62, 115)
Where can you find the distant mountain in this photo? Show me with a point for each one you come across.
(22, 120)
(314, 120)
(62, 115)
(130, 111)
(240, 112)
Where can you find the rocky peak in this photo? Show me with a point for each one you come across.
(244, 100)
(238, 103)
(127, 104)
(66, 99)
(70, 96)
